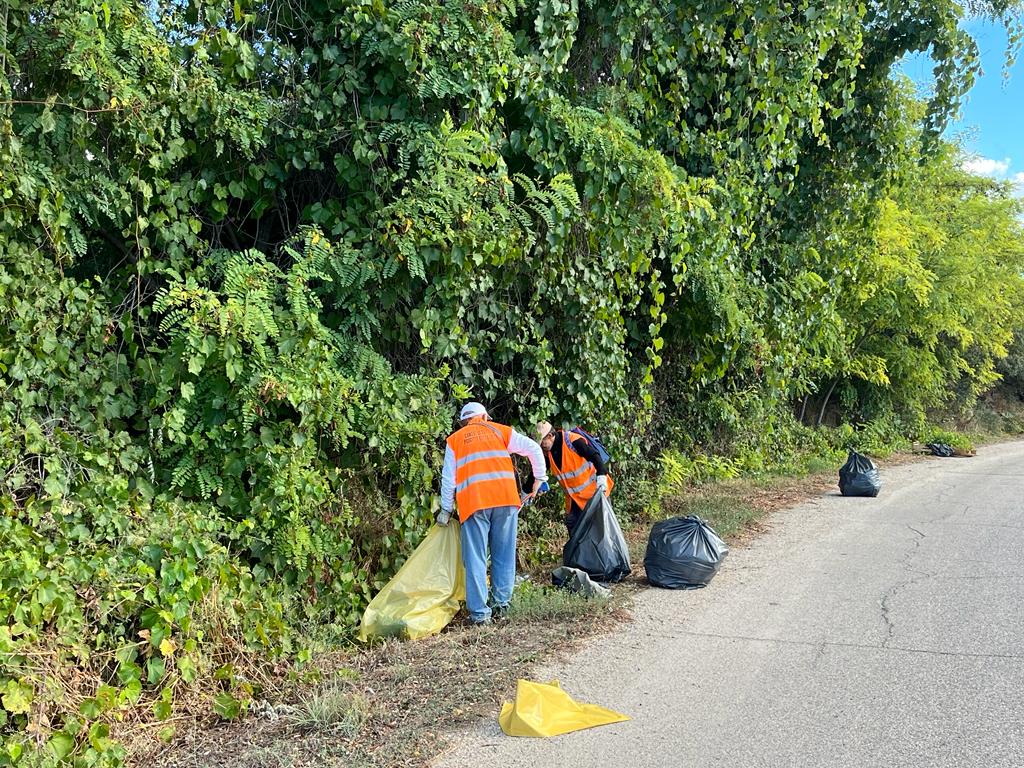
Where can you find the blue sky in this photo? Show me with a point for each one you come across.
(991, 126)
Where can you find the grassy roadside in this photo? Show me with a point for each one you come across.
(393, 704)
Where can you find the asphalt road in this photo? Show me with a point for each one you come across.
(855, 632)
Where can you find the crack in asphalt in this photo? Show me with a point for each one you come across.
(945, 516)
(890, 625)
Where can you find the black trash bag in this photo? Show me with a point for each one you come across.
(597, 545)
(683, 553)
(859, 476)
(940, 449)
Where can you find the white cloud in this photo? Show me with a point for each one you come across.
(1018, 183)
(987, 166)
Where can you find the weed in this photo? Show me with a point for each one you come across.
(882, 437)
(331, 708)
(818, 464)
(533, 602)
(957, 440)
(725, 512)
(679, 470)
(402, 672)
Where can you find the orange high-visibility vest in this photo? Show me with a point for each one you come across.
(577, 476)
(484, 475)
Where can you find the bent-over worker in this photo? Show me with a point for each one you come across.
(578, 467)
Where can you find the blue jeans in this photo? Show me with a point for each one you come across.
(489, 531)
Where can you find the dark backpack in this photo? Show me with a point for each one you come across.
(598, 446)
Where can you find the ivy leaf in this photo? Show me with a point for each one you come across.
(227, 706)
(132, 690)
(187, 668)
(17, 697)
(61, 745)
(154, 670)
(99, 737)
(54, 484)
(167, 647)
(89, 709)
(162, 709)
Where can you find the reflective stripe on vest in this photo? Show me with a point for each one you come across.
(484, 474)
(478, 455)
(570, 475)
(574, 489)
(484, 477)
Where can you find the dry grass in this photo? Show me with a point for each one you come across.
(736, 508)
(392, 704)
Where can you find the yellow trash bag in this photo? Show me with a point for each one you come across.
(546, 710)
(426, 592)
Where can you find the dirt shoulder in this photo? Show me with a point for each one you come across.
(390, 705)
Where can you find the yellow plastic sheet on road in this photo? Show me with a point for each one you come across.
(544, 709)
(426, 592)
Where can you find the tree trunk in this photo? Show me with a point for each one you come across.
(828, 395)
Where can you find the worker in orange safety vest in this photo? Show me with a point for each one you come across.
(577, 466)
(479, 479)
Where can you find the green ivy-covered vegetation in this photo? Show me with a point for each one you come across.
(254, 253)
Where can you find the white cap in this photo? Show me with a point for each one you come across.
(543, 429)
(469, 410)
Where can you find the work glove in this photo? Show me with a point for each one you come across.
(443, 516)
(539, 487)
(602, 484)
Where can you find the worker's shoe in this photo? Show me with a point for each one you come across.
(480, 622)
(500, 614)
